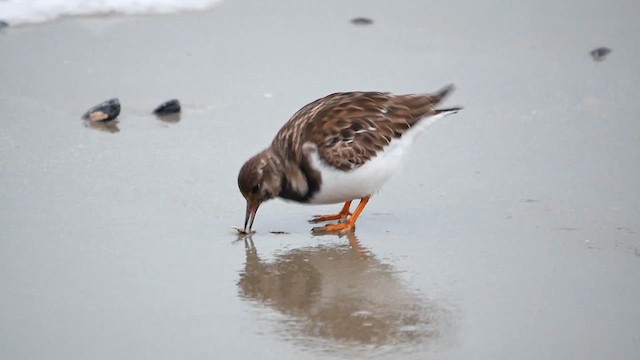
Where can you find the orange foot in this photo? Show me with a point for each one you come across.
(345, 226)
(341, 216)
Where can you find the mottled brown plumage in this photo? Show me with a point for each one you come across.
(346, 129)
(350, 128)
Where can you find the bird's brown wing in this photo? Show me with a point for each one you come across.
(352, 128)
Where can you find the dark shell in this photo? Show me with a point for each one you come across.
(105, 111)
(3, 24)
(361, 21)
(168, 107)
(600, 53)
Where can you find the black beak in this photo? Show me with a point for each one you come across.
(252, 209)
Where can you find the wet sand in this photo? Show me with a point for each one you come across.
(513, 232)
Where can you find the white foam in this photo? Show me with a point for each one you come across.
(16, 12)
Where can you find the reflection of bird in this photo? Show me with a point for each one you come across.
(338, 293)
(336, 149)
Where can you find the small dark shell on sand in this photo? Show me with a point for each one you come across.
(600, 53)
(361, 21)
(3, 24)
(105, 111)
(168, 107)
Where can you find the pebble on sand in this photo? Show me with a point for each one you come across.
(361, 21)
(168, 107)
(105, 111)
(600, 53)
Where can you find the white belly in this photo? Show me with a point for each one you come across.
(339, 186)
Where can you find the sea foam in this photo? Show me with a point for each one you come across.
(16, 12)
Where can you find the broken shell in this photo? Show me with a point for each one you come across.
(107, 110)
(600, 53)
(361, 21)
(168, 107)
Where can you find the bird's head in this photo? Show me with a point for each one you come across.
(259, 180)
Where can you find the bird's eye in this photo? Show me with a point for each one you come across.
(255, 189)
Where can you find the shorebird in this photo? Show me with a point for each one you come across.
(339, 148)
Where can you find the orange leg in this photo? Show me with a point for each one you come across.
(342, 215)
(351, 224)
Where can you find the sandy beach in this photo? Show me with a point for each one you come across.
(512, 233)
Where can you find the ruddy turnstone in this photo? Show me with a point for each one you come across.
(341, 147)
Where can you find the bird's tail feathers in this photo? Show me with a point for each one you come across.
(449, 111)
(442, 93)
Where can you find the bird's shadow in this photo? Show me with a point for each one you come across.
(338, 294)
